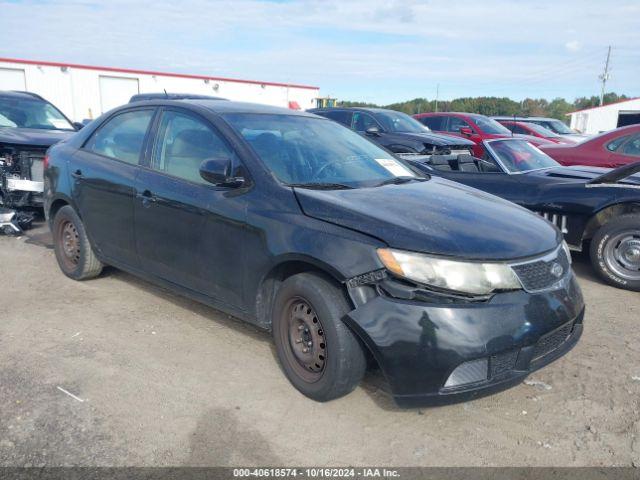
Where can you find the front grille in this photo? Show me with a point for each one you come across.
(551, 341)
(502, 362)
(540, 274)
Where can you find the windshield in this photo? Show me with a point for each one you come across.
(400, 122)
(489, 125)
(556, 126)
(519, 155)
(31, 113)
(540, 130)
(315, 152)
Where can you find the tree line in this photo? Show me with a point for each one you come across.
(538, 107)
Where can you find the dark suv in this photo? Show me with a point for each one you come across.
(28, 126)
(304, 228)
(397, 132)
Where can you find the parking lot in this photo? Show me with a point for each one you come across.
(115, 371)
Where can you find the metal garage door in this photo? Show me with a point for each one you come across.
(628, 118)
(12, 79)
(116, 91)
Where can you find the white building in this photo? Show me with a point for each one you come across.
(601, 119)
(83, 91)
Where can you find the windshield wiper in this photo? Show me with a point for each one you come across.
(321, 186)
(400, 180)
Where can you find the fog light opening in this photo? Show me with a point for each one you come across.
(468, 372)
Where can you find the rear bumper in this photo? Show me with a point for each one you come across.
(419, 345)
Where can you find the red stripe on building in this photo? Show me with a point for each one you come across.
(151, 72)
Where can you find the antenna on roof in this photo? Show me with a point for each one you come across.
(165, 93)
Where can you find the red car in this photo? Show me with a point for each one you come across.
(473, 126)
(611, 149)
(526, 128)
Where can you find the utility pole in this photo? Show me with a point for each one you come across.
(437, 94)
(605, 76)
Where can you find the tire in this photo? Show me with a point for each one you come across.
(74, 253)
(615, 252)
(309, 308)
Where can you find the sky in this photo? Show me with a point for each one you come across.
(378, 51)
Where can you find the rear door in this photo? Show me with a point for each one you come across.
(188, 231)
(104, 173)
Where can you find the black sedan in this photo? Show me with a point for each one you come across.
(595, 208)
(396, 131)
(304, 228)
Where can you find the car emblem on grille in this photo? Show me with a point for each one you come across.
(556, 270)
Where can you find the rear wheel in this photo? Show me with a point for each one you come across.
(73, 250)
(615, 252)
(318, 353)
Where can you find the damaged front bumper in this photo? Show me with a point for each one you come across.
(13, 223)
(433, 352)
(21, 177)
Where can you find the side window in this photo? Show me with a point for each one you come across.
(122, 137)
(632, 147)
(183, 143)
(455, 124)
(517, 129)
(363, 121)
(340, 116)
(434, 123)
(614, 145)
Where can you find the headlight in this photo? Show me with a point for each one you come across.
(463, 277)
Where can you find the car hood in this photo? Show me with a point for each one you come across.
(436, 216)
(434, 139)
(32, 136)
(585, 174)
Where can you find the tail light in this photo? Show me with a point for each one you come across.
(45, 162)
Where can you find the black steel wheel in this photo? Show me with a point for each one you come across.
(304, 342)
(73, 250)
(318, 353)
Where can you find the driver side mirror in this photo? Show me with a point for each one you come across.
(375, 131)
(219, 172)
(78, 125)
(466, 131)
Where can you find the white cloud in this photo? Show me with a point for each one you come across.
(573, 45)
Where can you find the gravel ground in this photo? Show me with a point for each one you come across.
(115, 371)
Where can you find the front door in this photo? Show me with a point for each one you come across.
(104, 173)
(188, 231)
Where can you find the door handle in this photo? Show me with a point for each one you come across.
(147, 198)
(77, 174)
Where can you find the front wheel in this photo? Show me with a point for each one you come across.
(318, 353)
(615, 252)
(73, 250)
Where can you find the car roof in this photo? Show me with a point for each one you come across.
(364, 109)
(170, 96)
(20, 94)
(521, 119)
(460, 114)
(223, 106)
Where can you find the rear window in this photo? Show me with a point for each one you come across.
(122, 136)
